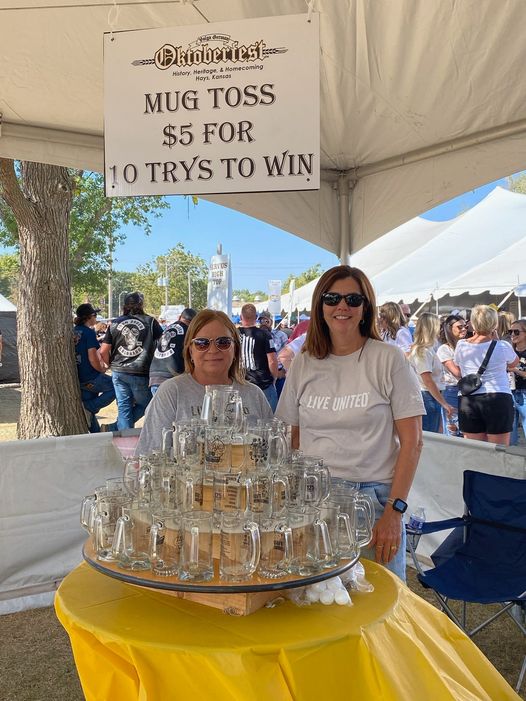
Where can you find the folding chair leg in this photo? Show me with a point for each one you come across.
(521, 676)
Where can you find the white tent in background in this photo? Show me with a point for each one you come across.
(482, 250)
(6, 305)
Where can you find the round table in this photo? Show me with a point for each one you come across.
(134, 643)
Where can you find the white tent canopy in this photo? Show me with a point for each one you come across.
(420, 101)
(482, 250)
(6, 305)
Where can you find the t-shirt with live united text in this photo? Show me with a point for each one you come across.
(345, 406)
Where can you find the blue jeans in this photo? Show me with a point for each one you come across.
(95, 395)
(133, 396)
(519, 400)
(379, 493)
(431, 422)
(272, 397)
(450, 394)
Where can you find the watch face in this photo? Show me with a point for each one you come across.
(399, 505)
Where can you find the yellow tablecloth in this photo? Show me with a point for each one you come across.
(131, 643)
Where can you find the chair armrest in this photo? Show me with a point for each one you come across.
(435, 526)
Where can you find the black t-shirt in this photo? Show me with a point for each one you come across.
(520, 382)
(132, 340)
(168, 359)
(255, 344)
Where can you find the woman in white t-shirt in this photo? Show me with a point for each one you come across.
(452, 330)
(429, 368)
(487, 414)
(393, 326)
(355, 401)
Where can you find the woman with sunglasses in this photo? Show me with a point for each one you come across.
(452, 330)
(518, 341)
(212, 356)
(355, 401)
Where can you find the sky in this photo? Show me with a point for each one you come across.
(259, 252)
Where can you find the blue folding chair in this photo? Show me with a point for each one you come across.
(483, 560)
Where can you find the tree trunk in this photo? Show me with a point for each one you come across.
(41, 203)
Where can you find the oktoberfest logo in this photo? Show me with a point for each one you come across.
(209, 49)
(216, 450)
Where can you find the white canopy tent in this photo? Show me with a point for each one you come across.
(420, 101)
(482, 250)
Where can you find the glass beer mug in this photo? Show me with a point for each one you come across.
(239, 546)
(222, 406)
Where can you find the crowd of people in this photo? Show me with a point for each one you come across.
(356, 383)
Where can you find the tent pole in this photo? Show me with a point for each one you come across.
(344, 190)
(499, 305)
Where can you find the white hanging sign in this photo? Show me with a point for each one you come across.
(274, 297)
(219, 295)
(215, 108)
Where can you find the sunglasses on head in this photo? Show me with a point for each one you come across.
(331, 299)
(222, 343)
(515, 332)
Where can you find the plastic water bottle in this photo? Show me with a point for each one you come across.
(417, 519)
(452, 424)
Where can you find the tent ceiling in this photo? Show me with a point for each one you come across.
(420, 100)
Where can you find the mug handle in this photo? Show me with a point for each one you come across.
(255, 546)
(323, 531)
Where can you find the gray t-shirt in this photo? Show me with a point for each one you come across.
(181, 398)
(345, 407)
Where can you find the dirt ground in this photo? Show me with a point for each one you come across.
(10, 410)
(38, 637)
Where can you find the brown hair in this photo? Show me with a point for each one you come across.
(318, 342)
(204, 317)
(393, 316)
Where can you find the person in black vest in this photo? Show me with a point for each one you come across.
(128, 348)
(168, 358)
(258, 354)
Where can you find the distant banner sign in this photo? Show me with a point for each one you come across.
(220, 284)
(215, 108)
(274, 297)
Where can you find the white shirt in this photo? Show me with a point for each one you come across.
(445, 353)
(427, 362)
(469, 357)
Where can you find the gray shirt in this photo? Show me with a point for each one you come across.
(181, 398)
(345, 407)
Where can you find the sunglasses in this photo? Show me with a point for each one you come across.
(331, 299)
(516, 332)
(222, 343)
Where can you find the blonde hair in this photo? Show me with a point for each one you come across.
(235, 371)
(426, 333)
(506, 319)
(484, 319)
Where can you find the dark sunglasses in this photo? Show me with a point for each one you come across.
(222, 343)
(331, 299)
(516, 332)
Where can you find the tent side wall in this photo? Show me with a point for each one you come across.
(9, 371)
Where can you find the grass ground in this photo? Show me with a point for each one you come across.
(35, 656)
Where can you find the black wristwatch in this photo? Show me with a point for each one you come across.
(398, 505)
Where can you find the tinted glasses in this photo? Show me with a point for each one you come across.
(516, 332)
(331, 299)
(222, 343)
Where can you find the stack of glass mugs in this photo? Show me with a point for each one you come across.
(225, 488)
